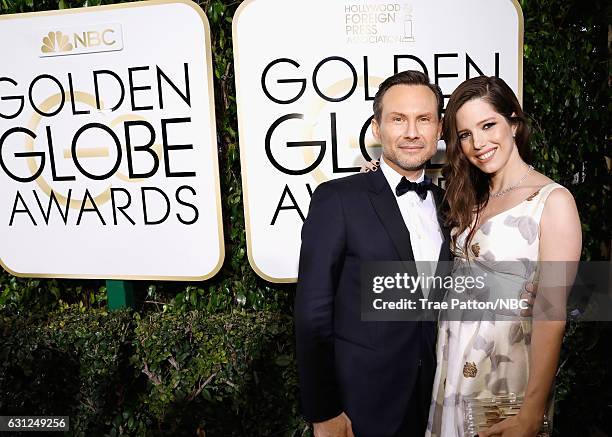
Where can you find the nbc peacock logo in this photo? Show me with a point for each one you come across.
(106, 37)
(56, 42)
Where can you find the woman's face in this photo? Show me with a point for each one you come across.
(485, 136)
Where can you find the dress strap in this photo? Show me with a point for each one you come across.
(540, 196)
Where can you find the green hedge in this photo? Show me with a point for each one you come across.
(566, 93)
(70, 364)
(237, 326)
(120, 373)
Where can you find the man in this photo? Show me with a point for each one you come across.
(372, 379)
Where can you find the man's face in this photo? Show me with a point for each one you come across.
(409, 126)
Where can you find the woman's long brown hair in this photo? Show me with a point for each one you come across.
(467, 188)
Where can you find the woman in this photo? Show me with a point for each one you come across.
(500, 209)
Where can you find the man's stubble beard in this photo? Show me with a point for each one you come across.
(406, 165)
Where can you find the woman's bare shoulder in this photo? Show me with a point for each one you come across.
(540, 179)
(558, 197)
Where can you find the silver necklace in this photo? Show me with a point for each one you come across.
(513, 186)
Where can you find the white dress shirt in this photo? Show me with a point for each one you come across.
(421, 220)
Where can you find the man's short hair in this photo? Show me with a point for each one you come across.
(409, 77)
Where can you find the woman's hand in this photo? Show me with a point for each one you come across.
(369, 166)
(517, 426)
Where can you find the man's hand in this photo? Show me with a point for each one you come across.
(529, 293)
(339, 426)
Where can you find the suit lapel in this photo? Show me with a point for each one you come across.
(443, 266)
(386, 207)
(438, 195)
(389, 214)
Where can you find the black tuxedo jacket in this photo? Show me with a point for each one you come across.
(366, 369)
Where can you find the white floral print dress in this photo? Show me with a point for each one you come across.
(489, 357)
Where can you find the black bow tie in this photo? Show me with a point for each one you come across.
(420, 188)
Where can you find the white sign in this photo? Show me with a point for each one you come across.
(306, 74)
(108, 148)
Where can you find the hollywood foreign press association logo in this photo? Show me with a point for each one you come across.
(56, 42)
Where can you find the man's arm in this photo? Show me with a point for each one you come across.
(321, 258)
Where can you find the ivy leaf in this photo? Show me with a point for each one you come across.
(283, 360)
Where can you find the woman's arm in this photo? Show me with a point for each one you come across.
(560, 243)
